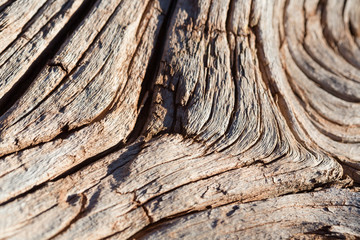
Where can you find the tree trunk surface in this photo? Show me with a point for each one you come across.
(182, 119)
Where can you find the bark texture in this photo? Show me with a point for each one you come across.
(190, 119)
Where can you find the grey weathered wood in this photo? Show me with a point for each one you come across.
(20, 55)
(277, 218)
(96, 92)
(209, 119)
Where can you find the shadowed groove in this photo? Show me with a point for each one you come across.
(21, 86)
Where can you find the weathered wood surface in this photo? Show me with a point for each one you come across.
(159, 119)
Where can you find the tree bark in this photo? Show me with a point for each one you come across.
(159, 119)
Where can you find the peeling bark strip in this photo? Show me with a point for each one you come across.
(157, 119)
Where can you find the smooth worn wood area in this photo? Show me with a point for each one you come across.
(179, 119)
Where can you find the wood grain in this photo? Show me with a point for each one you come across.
(184, 119)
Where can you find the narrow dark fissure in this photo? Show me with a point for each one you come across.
(338, 44)
(167, 221)
(24, 82)
(146, 87)
(50, 63)
(83, 201)
(21, 195)
(64, 133)
(5, 5)
(145, 96)
(90, 160)
(29, 23)
(327, 232)
(147, 91)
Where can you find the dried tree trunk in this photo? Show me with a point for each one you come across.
(159, 119)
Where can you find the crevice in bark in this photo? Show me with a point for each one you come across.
(271, 85)
(72, 170)
(83, 200)
(326, 232)
(51, 64)
(37, 14)
(300, 96)
(142, 18)
(165, 221)
(262, 65)
(329, 37)
(65, 132)
(5, 5)
(90, 160)
(69, 72)
(350, 170)
(177, 126)
(27, 25)
(147, 86)
(114, 234)
(146, 211)
(135, 133)
(352, 31)
(22, 85)
(21, 195)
